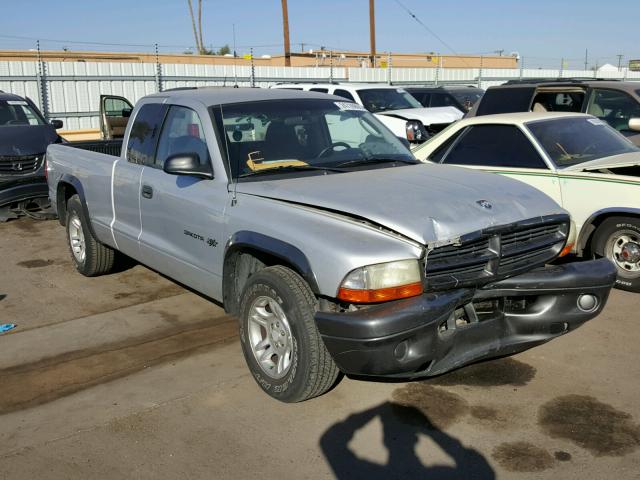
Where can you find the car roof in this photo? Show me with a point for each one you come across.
(442, 87)
(224, 95)
(519, 117)
(571, 82)
(9, 96)
(358, 86)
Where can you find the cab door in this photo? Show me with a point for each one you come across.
(502, 149)
(183, 216)
(137, 155)
(114, 116)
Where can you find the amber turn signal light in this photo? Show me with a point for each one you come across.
(380, 295)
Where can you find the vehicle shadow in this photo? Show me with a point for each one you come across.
(402, 427)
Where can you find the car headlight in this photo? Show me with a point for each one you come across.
(382, 282)
(416, 132)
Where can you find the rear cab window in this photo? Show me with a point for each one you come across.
(144, 132)
(494, 146)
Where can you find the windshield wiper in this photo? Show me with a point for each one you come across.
(289, 168)
(372, 160)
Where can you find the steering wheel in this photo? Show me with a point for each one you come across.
(332, 147)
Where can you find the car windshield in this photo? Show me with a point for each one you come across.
(467, 98)
(574, 140)
(382, 99)
(18, 113)
(305, 135)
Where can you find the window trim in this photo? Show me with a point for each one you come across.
(525, 134)
(168, 108)
(164, 110)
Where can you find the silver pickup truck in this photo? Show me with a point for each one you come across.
(317, 228)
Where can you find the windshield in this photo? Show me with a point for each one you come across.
(467, 98)
(382, 99)
(293, 136)
(574, 140)
(18, 112)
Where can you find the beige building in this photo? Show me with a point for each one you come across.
(307, 59)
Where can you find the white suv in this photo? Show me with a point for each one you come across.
(393, 106)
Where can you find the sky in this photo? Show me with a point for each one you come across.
(543, 32)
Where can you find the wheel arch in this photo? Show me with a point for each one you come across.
(265, 251)
(595, 220)
(68, 185)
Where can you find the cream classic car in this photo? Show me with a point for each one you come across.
(578, 160)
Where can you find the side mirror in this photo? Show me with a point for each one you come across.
(126, 112)
(57, 124)
(634, 124)
(186, 164)
(404, 141)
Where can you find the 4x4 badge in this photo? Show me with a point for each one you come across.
(484, 204)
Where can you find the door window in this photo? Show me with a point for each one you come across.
(614, 107)
(144, 134)
(442, 100)
(113, 106)
(321, 90)
(494, 146)
(182, 133)
(422, 97)
(343, 93)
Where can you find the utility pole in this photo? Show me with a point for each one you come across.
(619, 61)
(235, 56)
(372, 32)
(499, 52)
(285, 31)
(586, 58)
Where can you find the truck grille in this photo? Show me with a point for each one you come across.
(496, 253)
(17, 165)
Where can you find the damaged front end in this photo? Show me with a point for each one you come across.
(488, 294)
(23, 187)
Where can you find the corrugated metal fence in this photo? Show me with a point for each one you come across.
(71, 90)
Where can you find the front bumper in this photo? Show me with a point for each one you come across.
(19, 189)
(438, 332)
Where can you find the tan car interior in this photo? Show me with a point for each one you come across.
(115, 126)
(558, 99)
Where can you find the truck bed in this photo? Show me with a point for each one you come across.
(107, 147)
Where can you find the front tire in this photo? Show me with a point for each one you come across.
(281, 344)
(90, 257)
(618, 239)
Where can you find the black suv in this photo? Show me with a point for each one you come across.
(615, 102)
(24, 137)
(460, 96)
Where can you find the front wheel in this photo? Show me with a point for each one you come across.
(618, 239)
(281, 344)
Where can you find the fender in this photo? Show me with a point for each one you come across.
(60, 200)
(271, 246)
(587, 227)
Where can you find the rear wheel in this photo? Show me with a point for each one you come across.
(618, 239)
(90, 257)
(280, 341)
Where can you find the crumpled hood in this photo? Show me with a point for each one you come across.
(427, 203)
(427, 115)
(26, 140)
(631, 159)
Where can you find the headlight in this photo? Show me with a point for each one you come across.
(382, 282)
(416, 132)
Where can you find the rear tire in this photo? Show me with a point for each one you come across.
(618, 239)
(90, 257)
(281, 344)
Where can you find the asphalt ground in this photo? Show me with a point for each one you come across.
(131, 376)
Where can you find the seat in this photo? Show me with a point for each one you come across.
(538, 107)
(596, 110)
(281, 142)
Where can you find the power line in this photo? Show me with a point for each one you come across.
(434, 34)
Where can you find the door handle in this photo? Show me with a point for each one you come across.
(147, 191)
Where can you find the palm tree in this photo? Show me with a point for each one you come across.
(197, 36)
